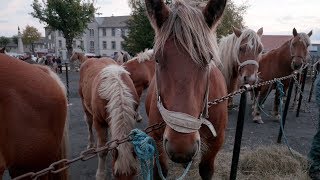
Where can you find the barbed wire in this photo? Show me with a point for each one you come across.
(64, 164)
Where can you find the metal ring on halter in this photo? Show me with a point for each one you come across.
(248, 62)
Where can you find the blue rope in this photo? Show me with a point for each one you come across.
(281, 95)
(145, 149)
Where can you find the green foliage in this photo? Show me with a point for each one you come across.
(4, 41)
(68, 16)
(141, 33)
(30, 35)
(232, 16)
(14, 39)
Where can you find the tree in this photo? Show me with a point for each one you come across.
(68, 16)
(30, 35)
(4, 41)
(141, 33)
(14, 39)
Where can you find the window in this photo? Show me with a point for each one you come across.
(49, 37)
(113, 44)
(59, 33)
(81, 44)
(104, 32)
(74, 44)
(113, 32)
(104, 44)
(60, 44)
(91, 32)
(92, 45)
(60, 53)
(123, 32)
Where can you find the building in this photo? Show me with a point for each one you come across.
(273, 41)
(102, 37)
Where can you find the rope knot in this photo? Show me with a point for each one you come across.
(144, 145)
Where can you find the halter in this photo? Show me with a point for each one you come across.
(182, 122)
(248, 62)
(293, 56)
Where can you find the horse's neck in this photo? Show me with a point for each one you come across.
(82, 58)
(284, 54)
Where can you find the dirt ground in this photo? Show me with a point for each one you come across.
(298, 130)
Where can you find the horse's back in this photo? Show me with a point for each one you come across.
(32, 114)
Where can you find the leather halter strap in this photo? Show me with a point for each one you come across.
(182, 122)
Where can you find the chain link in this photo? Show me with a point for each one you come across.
(248, 88)
(64, 164)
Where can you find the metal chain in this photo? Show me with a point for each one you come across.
(307, 106)
(64, 164)
(248, 88)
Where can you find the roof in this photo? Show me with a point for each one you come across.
(274, 41)
(115, 21)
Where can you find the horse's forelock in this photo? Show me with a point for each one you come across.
(186, 24)
(305, 38)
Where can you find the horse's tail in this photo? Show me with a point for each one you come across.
(120, 108)
(63, 151)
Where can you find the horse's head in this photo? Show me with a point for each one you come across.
(184, 47)
(299, 48)
(248, 50)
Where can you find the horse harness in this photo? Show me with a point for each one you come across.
(182, 122)
(247, 62)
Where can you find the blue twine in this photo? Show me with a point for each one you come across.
(145, 149)
(281, 95)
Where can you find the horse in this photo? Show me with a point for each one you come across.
(186, 77)
(279, 62)
(109, 99)
(78, 56)
(240, 53)
(33, 115)
(3, 50)
(141, 69)
(122, 57)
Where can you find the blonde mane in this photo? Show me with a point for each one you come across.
(229, 49)
(186, 24)
(120, 108)
(143, 56)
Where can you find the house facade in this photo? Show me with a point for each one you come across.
(102, 37)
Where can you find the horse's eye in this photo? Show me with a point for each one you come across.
(242, 49)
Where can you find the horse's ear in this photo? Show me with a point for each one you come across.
(294, 32)
(236, 31)
(260, 32)
(310, 33)
(213, 11)
(158, 12)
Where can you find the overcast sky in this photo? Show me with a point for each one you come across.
(275, 16)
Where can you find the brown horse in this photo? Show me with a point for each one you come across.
(3, 50)
(240, 53)
(186, 77)
(141, 69)
(33, 112)
(109, 100)
(278, 63)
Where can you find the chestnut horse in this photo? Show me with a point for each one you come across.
(278, 63)
(141, 69)
(109, 100)
(240, 53)
(33, 115)
(186, 77)
(122, 57)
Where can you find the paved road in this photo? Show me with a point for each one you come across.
(299, 131)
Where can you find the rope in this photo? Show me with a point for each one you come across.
(281, 95)
(145, 149)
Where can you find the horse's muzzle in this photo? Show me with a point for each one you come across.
(181, 156)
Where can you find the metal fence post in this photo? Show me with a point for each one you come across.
(285, 111)
(312, 84)
(238, 137)
(304, 77)
(67, 79)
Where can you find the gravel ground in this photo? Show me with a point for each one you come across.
(299, 130)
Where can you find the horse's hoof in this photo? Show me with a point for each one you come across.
(258, 120)
(100, 175)
(278, 117)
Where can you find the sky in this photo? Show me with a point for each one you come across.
(275, 16)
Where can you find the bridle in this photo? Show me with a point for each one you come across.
(182, 122)
(294, 56)
(247, 62)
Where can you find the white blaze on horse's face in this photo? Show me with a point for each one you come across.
(249, 52)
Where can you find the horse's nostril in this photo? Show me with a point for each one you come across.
(245, 78)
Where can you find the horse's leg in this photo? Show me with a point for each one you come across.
(89, 120)
(258, 102)
(233, 87)
(276, 105)
(101, 141)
